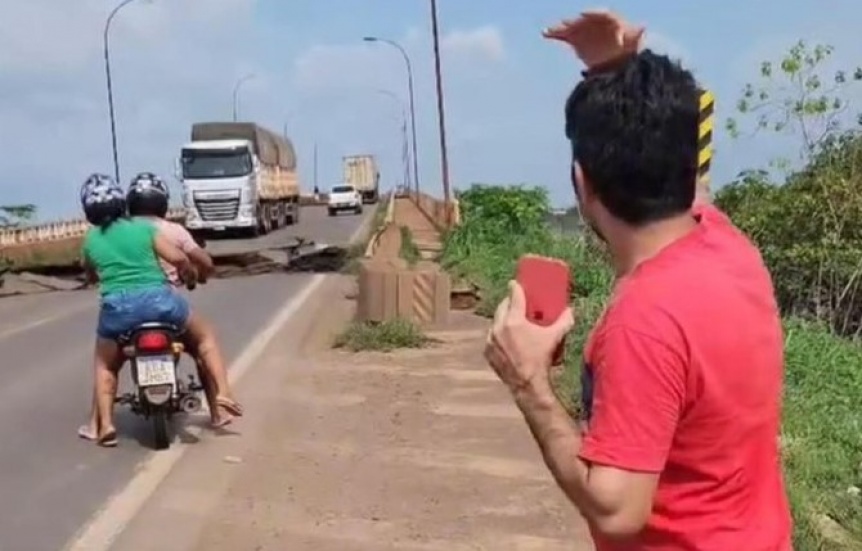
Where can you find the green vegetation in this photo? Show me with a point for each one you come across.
(408, 251)
(381, 337)
(356, 251)
(805, 215)
(14, 215)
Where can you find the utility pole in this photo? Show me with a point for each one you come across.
(444, 157)
(315, 166)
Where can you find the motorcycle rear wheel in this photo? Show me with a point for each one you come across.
(160, 428)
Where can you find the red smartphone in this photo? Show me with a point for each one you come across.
(547, 285)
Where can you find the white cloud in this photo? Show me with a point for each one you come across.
(173, 61)
(363, 64)
(485, 43)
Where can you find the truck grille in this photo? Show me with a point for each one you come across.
(214, 210)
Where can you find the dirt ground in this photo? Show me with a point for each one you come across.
(415, 450)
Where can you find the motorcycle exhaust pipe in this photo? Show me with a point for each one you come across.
(190, 404)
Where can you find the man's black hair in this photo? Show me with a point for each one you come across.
(634, 133)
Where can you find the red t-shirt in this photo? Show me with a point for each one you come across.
(683, 377)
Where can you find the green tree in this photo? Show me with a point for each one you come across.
(797, 95)
(15, 215)
(809, 229)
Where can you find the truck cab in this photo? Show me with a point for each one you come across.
(219, 184)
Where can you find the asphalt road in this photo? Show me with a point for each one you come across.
(51, 482)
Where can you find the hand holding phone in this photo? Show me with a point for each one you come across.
(546, 283)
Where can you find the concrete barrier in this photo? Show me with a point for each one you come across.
(57, 231)
(436, 210)
(61, 230)
(389, 288)
(374, 242)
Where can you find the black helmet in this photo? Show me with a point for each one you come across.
(102, 200)
(148, 195)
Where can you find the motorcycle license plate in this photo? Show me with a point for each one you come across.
(156, 370)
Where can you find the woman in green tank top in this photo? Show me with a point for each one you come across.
(122, 255)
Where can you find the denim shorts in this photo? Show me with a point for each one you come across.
(123, 311)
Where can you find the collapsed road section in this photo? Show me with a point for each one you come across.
(301, 256)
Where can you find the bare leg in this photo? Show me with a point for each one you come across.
(203, 335)
(90, 431)
(106, 356)
(217, 416)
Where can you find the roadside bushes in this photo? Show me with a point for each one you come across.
(809, 231)
(822, 425)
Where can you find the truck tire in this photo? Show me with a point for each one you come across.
(266, 219)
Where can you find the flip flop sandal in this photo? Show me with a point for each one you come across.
(231, 406)
(108, 440)
(86, 433)
(225, 421)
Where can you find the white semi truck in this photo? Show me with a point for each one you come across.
(360, 171)
(239, 177)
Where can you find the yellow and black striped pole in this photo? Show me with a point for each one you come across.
(705, 125)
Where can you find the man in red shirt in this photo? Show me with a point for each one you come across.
(682, 374)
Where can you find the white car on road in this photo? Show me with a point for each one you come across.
(344, 197)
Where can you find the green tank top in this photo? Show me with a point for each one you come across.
(123, 256)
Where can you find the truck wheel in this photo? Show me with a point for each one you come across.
(284, 218)
(266, 219)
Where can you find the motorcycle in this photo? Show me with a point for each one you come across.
(154, 351)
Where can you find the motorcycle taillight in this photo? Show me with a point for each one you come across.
(153, 341)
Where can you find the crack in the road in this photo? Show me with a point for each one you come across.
(303, 257)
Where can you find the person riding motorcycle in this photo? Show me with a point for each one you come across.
(147, 198)
(123, 254)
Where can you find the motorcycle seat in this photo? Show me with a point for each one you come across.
(167, 327)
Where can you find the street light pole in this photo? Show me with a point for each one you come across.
(412, 101)
(236, 95)
(444, 157)
(105, 37)
(405, 151)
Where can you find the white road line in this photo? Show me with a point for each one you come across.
(103, 529)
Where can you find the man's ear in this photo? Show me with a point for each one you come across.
(579, 182)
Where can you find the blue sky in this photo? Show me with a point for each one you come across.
(176, 62)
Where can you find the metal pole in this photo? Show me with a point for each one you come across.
(315, 165)
(405, 144)
(236, 95)
(412, 101)
(105, 40)
(444, 157)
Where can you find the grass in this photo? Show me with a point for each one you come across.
(822, 417)
(381, 337)
(408, 252)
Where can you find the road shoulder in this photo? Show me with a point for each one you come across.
(408, 450)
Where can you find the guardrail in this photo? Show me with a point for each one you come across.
(387, 220)
(68, 229)
(57, 231)
(436, 210)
